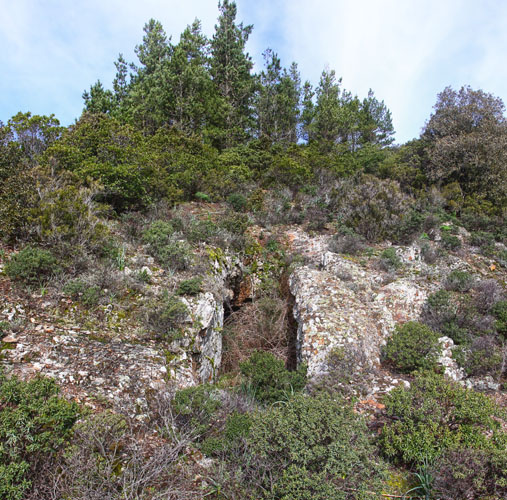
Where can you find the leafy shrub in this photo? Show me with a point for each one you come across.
(268, 379)
(237, 201)
(499, 311)
(484, 357)
(32, 266)
(487, 294)
(412, 346)
(346, 241)
(34, 423)
(459, 281)
(202, 197)
(158, 235)
(78, 290)
(371, 206)
(313, 448)
(439, 310)
(192, 286)
(450, 241)
(166, 315)
(389, 261)
(196, 409)
(468, 474)
(410, 226)
(435, 415)
(428, 253)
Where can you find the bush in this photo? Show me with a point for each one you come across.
(464, 474)
(487, 294)
(313, 448)
(78, 290)
(34, 423)
(196, 410)
(459, 281)
(237, 201)
(192, 286)
(412, 346)
(165, 317)
(389, 261)
(439, 310)
(484, 357)
(268, 379)
(346, 241)
(435, 415)
(450, 241)
(32, 266)
(499, 311)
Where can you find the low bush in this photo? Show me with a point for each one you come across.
(459, 281)
(464, 474)
(33, 266)
(268, 381)
(78, 290)
(389, 261)
(165, 316)
(192, 286)
(413, 346)
(35, 422)
(450, 241)
(499, 312)
(237, 201)
(435, 415)
(484, 357)
(312, 448)
(347, 241)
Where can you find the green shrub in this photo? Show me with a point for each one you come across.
(237, 201)
(34, 423)
(435, 415)
(165, 317)
(313, 448)
(32, 266)
(268, 379)
(389, 261)
(196, 409)
(237, 428)
(346, 241)
(412, 346)
(78, 290)
(439, 310)
(459, 281)
(500, 313)
(192, 286)
(202, 197)
(483, 357)
(158, 235)
(467, 473)
(450, 241)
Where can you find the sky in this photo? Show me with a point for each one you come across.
(406, 51)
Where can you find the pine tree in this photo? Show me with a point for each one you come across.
(230, 70)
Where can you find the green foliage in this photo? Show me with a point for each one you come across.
(450, 241)
(170, 252)
(412, 346)
(346, 240)
(32, 265)
(268, 380)
(34, 423)
(435, 415)
(196, 409)
(192, 286)
(202, 197)
(78, 290)
(500, 313)
(459, 281)
(313, 448)
(237, 201)
(389, 261)
(165, 315)
(468, 473)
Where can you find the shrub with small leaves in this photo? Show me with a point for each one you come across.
(412, 346)
(450, 241)
(499, 311)
(267, 379)
(237, 201)
(389, 261)
(435, 415)
(78, 290)
(34, 423)
(459, 281)
(165, 317)
(192, 286)
(346, 241)
(33, 266)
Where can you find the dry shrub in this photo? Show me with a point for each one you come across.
(258, 326)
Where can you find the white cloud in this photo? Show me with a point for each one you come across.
(405, 50)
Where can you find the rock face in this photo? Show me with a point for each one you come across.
(339, 304)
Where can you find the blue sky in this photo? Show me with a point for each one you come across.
(405, 50)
